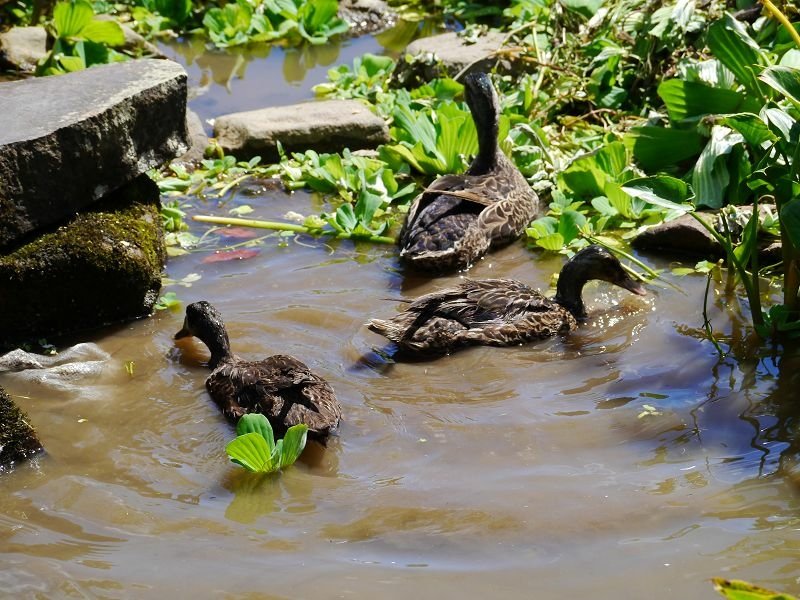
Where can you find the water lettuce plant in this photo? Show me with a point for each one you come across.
(255, 447)
(295, 21)
(734, 589)
(80, 39)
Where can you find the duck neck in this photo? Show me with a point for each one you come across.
(220, 348)
(487, 128)
(569, 289)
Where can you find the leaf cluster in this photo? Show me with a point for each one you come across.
(255, 447)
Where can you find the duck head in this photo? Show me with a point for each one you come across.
(204, 322)
(590, 263)
(484, 106)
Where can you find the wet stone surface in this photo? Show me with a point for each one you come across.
(98, 130)
(103, 267)
(18, 441)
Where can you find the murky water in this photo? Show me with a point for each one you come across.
(515, 472)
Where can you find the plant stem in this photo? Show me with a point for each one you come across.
(707, 322)
(776, 12)
(278, 226)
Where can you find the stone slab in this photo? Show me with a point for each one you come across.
(22, 47)
(325, 126)
(103, 267)
(18, 441)
(447, 54)
(68, 140)
(366, 16)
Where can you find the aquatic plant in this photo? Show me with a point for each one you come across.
(80, 39)
(734, 589)
(295, 21)
(256, 450)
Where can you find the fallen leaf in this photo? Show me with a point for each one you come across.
(242, 254)
(240, 233)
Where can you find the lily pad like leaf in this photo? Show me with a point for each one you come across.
(252, 452)
(293, 443)
(256, 423)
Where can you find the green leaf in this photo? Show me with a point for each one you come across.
(741, 590)
(569, 225)
(293, 443)
(661, 190)
(785, 80)
(754, 130)
(710, 177)
(686, 99)
(104, 32)
(69, 18)
(553, 242)
(729, 42)
(744, 251)
(252, 452)
(256, 423)
(790, 218)
(657, 147)
(586, 8)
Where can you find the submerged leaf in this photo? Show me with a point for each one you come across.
(741, 590)
(240, 254)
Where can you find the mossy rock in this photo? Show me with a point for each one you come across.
(102, 267)
(18, 441)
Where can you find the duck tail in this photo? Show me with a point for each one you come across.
(387, 329)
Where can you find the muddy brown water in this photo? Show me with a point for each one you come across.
(535, 471)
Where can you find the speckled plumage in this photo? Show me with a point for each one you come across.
(281, 387)
(500, 312)
(444, 231)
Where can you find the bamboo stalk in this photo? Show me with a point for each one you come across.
(279, 226)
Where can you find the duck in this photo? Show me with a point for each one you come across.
(459, 217)
(501, 312)
(281, 387)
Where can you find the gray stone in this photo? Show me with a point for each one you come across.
(198, 140)
(18, 440)
(366, 16)
(683, 235)
(325, 126)
(447, 54)
(68, 140)
(22, 47)
(102, 267)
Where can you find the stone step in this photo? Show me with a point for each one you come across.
(324, 126)
(68, 140)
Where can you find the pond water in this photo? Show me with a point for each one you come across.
(527, 471)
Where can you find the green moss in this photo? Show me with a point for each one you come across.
(102, 267)
(18, 441)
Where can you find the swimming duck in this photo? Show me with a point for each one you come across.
(281, 387)
(501, 312)
(458, 218)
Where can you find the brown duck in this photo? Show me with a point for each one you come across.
(458, 218)
(281, 387)
(501, 312)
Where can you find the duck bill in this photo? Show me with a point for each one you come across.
(632, 286)
(184, 332)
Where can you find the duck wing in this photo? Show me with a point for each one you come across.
(282, 388)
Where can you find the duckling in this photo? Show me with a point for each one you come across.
(458, 218)
(281, 387)
(501, 312)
